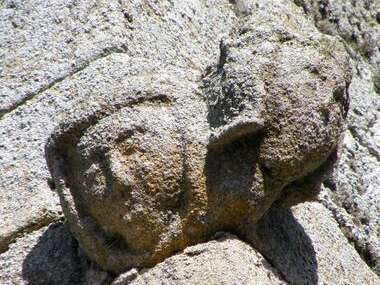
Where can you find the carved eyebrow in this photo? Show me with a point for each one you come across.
(69, 132)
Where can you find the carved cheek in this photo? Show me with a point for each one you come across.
(149, 165)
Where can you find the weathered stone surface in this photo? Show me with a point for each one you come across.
(24, 175)
(51, 256)
(354, 187)
(226, 260)
(307, 247)
(23, 131)
(353, 192)
(46, 256)
(356, 22)
(43, 43)
(304, 246)
(172, 159)
(58, 54)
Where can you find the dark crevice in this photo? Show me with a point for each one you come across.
(115, 241)
(183, 198)
(267, 258)
(222, 56)
(341, 96)
(283, 242)
(51, 184)
(273, 265)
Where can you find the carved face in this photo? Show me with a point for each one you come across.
(143, 178)
(130, 168)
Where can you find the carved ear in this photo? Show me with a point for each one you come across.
(238, 128)
(235, 96)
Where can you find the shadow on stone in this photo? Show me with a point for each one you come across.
(54, 259)
(282, 240)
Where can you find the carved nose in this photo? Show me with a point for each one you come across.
(121, 179)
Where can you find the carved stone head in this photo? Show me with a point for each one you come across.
(167, 163)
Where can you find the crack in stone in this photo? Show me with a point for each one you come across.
(346, 226)
(104, 53)
(372, 151)
(349, 229)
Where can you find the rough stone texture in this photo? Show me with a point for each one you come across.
(354, 187)
(46, 256)
(306, 245)
(23, 131)
(58, 54)
(51, 256)
(353, 192)
(226, 260)
(356, 22)
(172, 159)
(43, 43)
